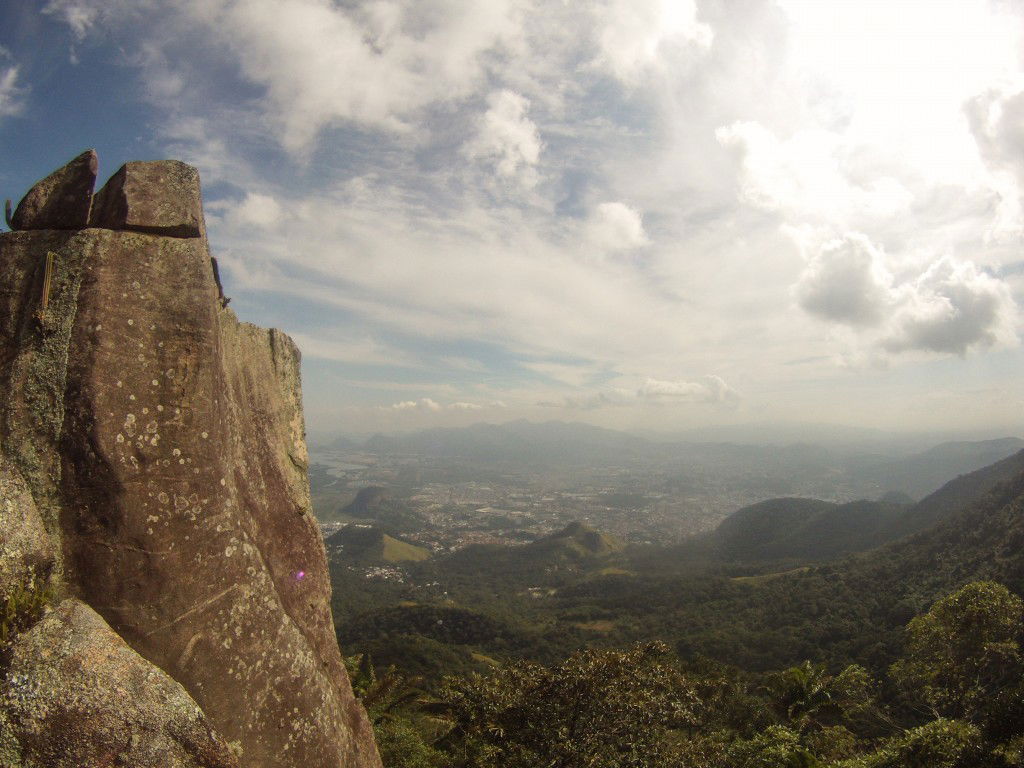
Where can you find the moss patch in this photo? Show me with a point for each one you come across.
(23, 607)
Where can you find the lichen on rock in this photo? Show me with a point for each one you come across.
(76, 695)
(26, 550)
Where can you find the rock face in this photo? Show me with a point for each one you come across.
(61, 200)
(26, 551)
(76, 695)
(160, 197)
(163, 444)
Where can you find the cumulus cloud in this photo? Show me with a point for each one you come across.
(710, 389)
(507, 139)
(633, 33)
(949, 307)
(846, 281)
(996, 118)
(616, 226)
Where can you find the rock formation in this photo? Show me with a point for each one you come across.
(62, 200)
(161, 198)
(81, 697)
(153, 458)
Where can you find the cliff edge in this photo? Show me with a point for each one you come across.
(153, 490)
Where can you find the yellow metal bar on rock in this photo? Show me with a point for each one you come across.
(47, 282)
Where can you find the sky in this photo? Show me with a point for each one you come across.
(642, 214)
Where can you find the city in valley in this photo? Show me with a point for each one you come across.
(447, 490)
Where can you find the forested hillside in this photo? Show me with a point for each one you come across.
(738, 638)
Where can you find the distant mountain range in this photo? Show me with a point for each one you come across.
(921, 473)
(814, 530)
(784, 531)
(519, 441)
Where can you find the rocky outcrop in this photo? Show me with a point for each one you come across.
(26, 551)
(160, 197)
(76, 695)
(62, 200)
(163, 445)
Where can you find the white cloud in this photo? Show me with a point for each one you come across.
(949, 307)
(611, 398)
(847, 282)
(507, 139)
(633, 34)
(576, 375)
(487, 275)
(342, 346)
(996, 118)
(710, 389)
(904, 70)
(255, 210)
(423, 404)
(616, 227)
(814, 174)
(80, 15)
(197, 140)
(952, 308)
(376, 64)
(620, 125)
(427, 405)
(11, 95)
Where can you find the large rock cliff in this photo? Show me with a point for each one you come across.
(153, 476)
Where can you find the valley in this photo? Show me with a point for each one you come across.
(477, 588)
(509, 484)
(547, 560)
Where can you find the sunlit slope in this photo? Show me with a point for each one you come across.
(369, 545)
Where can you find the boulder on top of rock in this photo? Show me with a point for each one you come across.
(62, 200)
(75, 694)
(160, 197)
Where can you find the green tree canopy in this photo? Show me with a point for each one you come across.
(599, 709)
(964, 650)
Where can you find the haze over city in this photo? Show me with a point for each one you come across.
(642, 214)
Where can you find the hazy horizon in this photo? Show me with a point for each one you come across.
(641, 214)
(748, 433)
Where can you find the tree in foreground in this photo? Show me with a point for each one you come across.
(962, 674)
(598, 708)
(963, 665)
